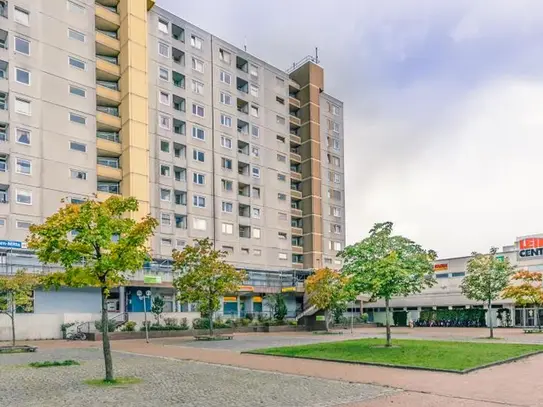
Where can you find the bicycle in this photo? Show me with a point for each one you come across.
(76, 336)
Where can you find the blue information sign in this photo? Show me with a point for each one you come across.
(12, 244)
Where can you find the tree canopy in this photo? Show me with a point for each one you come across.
(525, 288)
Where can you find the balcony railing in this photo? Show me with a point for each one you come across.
(108, 162)
(113, 111)
(112, 60)
(109, 188)
(4, 197)
(109, 135)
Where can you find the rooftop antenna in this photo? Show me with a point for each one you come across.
(316, 55)
(245, 44)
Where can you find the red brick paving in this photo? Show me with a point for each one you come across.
(515, 384)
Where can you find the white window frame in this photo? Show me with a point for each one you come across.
(82, 178)
(255, 110)
(72, 6)
(196, 107)
(224, 160)
(70, 114)
(23, 192)
(253, 70)
(255, 151)
(253, 134)
(196, 178)
(161, 24)
(165, 219)
(163, 69)
(19, 130)
(168, 173)
(196, 130)
(79, 36)
(26, 103)
(223, 75)
(15, 38)
(19, 222)
(197, 87)
(196, 155)
(165, 241)
(257, 233)
(70, 87)
(71, 58)
(23, 70)
(255, 174)
(224, 204)
(160, 124)
(169, 195)
(227, 228)
(226, 98)
(196, 42)
(254, 90)
(196, 221)
(196, 63)
(168, 48)
(79, 143)
(164, 98)
(224, 140)
(18, 162)
(256, 212)
(225, 56)
(199, 201)
(226, 120)
(282, 256)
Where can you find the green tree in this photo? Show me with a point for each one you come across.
(485, 279)
(384, 266)
(526, 289)
(205, 277)
(16, 292)
(327, 290)
(157, 308)
(99, 244)
(277, 305)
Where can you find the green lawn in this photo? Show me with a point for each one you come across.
(456, 356)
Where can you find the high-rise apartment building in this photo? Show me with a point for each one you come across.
(123, 97)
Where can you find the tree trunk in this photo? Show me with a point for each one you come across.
(389, 336)
(490, 324)
(13, 312)
(105, 338)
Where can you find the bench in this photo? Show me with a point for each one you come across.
(533, 331)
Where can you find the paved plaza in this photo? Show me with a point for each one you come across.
(183, 372)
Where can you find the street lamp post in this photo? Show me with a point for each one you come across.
(143, 297)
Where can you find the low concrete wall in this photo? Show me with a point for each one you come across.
(139, 317)
(32, 326)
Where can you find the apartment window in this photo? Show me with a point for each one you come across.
(280, 120)
(198, 155)
(228, 249)
(77, 174)
(334, 177)
(76, 8)
(165, 170)
(23, 166)
(76, 35)
(256, 172)
(327, 260)
(2, 222)
(74, 90)
(23, 136)
(22, 106)
(254, 90)
(163, 26)
(280, 139)
(198, 110)
(226, 163)
(78, 146)
(22, 76)
(198, 133)
(165, 195)
(226, 142)
(226, 98)
(199, 224)
(180, 243)
(256, 193)
(227, 185)
(225, 77)
(256, 213)
(225, 56)
(164, 49)
(227, 228)
(335, 143)
(334, 126)
(75, 118)
(77, 63)
(255, 131)
(4, 132)
(256, 233)
(198, 178)
(23, 196)
(253, 71)
(164, 122)
(334, 246)
(196, 42)
(255, 151)
(334, 194)
(281, 197)
(198, 87)
(227, 207)
(164, 146)
(197, 65)
(199, 201)
(282, 235)
(281, 158)
(279, 100)
(282, 216)
(226, 120)
(163, 73)
(165, 219)
(335, 211)
(20, 224)
(257, 252)
(335, 228)
(282, 256)
(332, 159)
(333, 109)
(22, 46)
(281, 177)
(164, 98)
(254, 110)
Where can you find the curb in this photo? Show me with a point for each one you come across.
(405, 367)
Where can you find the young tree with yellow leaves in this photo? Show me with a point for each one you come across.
(99, 245)
(526, 288)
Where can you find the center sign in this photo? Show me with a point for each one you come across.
(530, 248)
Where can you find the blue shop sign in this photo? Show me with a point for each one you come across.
(12, 244)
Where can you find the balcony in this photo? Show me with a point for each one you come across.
(108, 144)
(180, 198)
(243, 147)
(293, 87)
(298, 266)
(178, 56)
(295, 194)
(107, 122)
(242, 85)
(296, 212)
(245, 231)
(295, 176)
(296, 231)
(244, 211)
(106, 44)
(107, 169)
(107, 69)
(107, 18)
(106, 96)
(108, 3)
(297, 249)
(179, 103)
(106, 189)
(178, 33)
(243, 169)
(180, 221)
(4, 45)
(296, 140)
(178, 80)
(242, 106)
(242, 64)
(297, 158)
(294, 104)
(294, 121)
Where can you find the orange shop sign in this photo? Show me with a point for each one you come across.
(530, 248)
(441, 266)
(246, 288)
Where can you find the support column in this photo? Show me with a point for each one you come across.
(122, 299)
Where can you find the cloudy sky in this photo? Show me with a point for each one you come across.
(443, 106)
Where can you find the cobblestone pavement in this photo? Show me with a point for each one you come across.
(166, 382)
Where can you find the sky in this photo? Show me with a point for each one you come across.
(443, 106)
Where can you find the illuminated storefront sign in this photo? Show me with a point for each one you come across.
(288, 289)
(246, 288)
(257, 299)
(441, 266)
(230, 299)
(530, 248)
